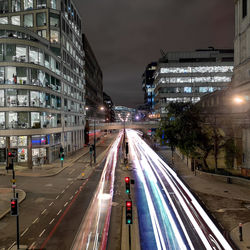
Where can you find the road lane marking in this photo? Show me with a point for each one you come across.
(12, 245)
(52, 221)
(59, 212)
(67, 187)
(44, 211)
(35, 220)
(57, 197)
(42, 233)
(71, 171)
(63, 191)
(71, 198)
(71, 182)
(24, 231)
(66, 204)
(51, 203)
(32, 245)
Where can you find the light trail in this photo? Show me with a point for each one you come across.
(93, 231)
(161, 185)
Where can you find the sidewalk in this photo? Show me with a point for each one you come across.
(207, 184)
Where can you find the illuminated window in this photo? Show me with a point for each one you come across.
(28, 20)
(28, 4)
(15, 20)
(54, 36)
(53, 4)
(42, 33)
(3, 20)
(187, 90)
(15, 5)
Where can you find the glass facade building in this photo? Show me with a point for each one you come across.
(42, 81)
(186, 76)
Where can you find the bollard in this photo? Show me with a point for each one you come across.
(240, 232)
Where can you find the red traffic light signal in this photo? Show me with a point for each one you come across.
(127, 185)
(14, 207)
(129, 215)
(127, 179)
(10, 154)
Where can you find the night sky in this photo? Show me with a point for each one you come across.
(126, 35)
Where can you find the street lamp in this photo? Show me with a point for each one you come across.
(101, 108)
(238, 99)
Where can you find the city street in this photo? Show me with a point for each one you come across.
(47, 204)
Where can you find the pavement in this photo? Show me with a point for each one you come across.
(209, 184)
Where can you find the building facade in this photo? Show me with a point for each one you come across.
(109, 108)
(148, 86)
(124, 114)
(42, 84)
(186, 76)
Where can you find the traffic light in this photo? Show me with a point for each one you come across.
(126, 148)
(127, 185)
(129, 217)
(10, 161)
(14, 207)
(61, 149)
(62, 156)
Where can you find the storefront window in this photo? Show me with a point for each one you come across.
(41, 19)
(15, 20)
(21, 54)
(22, 97)
(34, 98)
(28, 4)
(28, 20)
(35, 120)
(54, 36)
(33, 55)
(22, 141)
(2, 98)
(13, 141)
(21, 75)
(11, 96)
(2, 120)
(41, 3)
(15, 5)
(12, 119)
(22, 155)
(23, 119)
(3, 20)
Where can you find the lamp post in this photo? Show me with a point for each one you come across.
(94, 117)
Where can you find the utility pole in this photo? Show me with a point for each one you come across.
(94, 144)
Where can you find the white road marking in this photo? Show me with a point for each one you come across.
(71, 198)
(24, 231)
(63, 191)
(52, 221)
(44, 211)
(51, 203)
(66, 204)
(71, 171)
(35, 220)
(32, 245)
(67, 187)
(59, 212)
(42, 233)
(57, 197)
(71, 182)
(12, 245)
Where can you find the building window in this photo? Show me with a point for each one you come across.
(4, 8)
(1, 52)
(35, 120)
(28, 4)
(15, 20)
(33, 55)
(34, 99)
(54, 36)
(15, 5)
(10, 75)
(244, 8)
(23, 119)
(42, 33)
(21, 75)
(53, 4)
(21, 54)
(28, 20)
(11, 120)
(2, 120)
(2, 98)
(187, 90)
(11, 97)
(2, 75)
(41, 4)
(10, 52)
(22, 155)
(54, 20)
(41, 19)
(23, 98)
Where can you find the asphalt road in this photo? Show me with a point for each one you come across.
(53, 204)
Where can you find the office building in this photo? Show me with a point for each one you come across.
(42, 84)
(186, 76)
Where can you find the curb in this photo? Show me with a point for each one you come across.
(19, 202)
